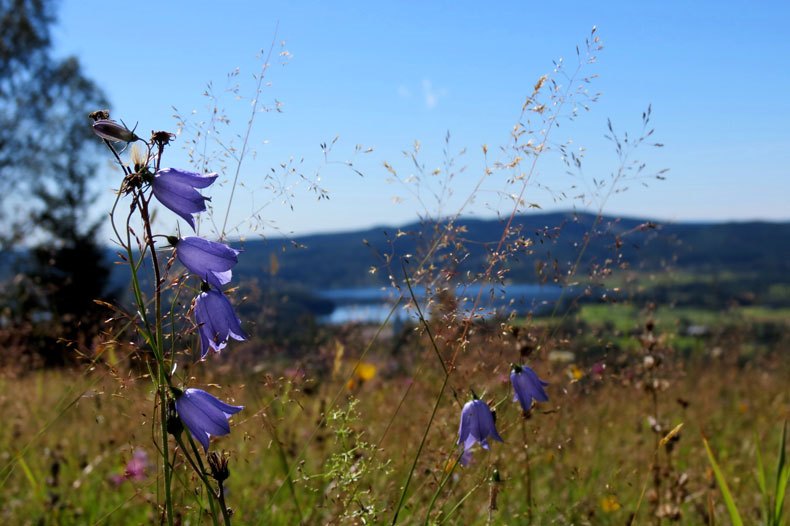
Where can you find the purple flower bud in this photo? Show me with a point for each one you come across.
(176, 190)
(113, 131)
(527, 386)
(204, 415)
(477, 425)
(207, 260)
(216, 321)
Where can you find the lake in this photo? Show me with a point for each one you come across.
(374, 304)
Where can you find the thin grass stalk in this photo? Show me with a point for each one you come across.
(250, 122)
(460, 502)
(439, 489)
(436, 405)
(284, 461)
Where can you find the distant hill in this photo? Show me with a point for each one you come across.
(341, 260)
(745, 261)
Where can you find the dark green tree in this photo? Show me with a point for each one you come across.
(48, 170)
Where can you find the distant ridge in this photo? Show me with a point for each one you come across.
(342, 260)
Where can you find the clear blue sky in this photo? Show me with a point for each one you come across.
(384, 74)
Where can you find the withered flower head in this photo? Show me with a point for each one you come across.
(218, 464)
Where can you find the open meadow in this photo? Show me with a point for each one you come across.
(331, 438)
(420, 264)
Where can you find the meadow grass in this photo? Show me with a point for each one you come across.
(588, 452)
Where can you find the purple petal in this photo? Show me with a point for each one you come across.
(217, 321)
(194, 420)
(179, 201)
(216, 403)
(465, 425)
(208, 260)
(176, 190)
(466, 457)
(527, 387)
(192, 179)
(204, 415)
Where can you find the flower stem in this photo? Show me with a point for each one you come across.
(163, 380)
(439, 489)
(200, 470)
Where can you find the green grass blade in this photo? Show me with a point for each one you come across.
(782, 478)
(31, 478)
(767, 512)
(735, 517)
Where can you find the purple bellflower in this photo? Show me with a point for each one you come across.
(216, 321)
(176, 190)
(207, 260)
(113, 131)
(204, 415)
(477, 425)
(527, 386)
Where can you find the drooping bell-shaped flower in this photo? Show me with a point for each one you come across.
(175, 189)
(113, 131)
(204, 415)
(527, 386)
(216, 321)
(477, 426)
(212, 262)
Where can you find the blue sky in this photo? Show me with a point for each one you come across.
(383, 75)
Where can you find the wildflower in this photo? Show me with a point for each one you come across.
(610, 504)
(208, 260)
(204, 415)
(477, 424)
(176, 190)
(135, 469)
(113, 131)
(527, 386)
(216, 321)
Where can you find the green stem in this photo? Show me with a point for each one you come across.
(284, 462)
(438, 398)
(222, 505)
(527, 471)
(201, 472)
(441, 486)
(419, 450)
(163, 380)
(460, 502)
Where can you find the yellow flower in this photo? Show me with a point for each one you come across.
(365, 371)
(575, 373)
(610, 504)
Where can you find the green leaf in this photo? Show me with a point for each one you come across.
(782, 478)
(735, 517)
(760, 475)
